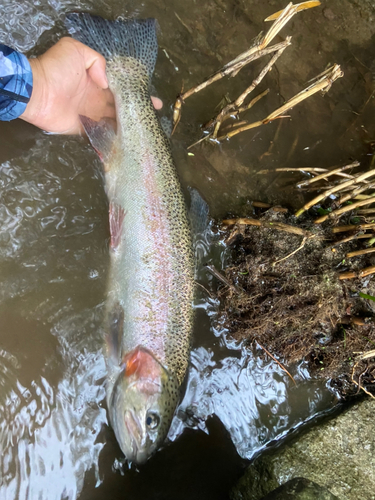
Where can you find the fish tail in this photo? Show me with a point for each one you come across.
(134, 38)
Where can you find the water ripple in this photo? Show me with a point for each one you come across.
(22, 23)
(48, 437)
(250, 396)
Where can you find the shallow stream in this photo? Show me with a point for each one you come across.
(54, 439)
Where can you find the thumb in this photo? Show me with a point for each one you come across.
(95, 65)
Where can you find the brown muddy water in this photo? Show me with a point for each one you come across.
(54, 438)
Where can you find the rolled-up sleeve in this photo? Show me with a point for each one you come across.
(16, 83)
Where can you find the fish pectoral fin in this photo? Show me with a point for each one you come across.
(116, 218)
(101, 135)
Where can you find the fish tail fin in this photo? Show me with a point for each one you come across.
(134, 38)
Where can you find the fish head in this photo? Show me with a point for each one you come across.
(142, 404)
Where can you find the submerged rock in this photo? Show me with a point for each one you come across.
(339, 455)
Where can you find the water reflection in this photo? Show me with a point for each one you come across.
(49, 427)
(52, 369)
(250, 394)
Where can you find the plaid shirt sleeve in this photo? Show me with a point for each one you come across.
(16, 83)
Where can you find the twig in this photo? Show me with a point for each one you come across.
(227, 128)
(360, 252)
(204, 288)
(241, 109)
(329, 173)
(323, 84)
(366, 355)
(212, 269)
(278, 362)
(297, 169)
(355, 193)
(184, 24)
(364, 196)
(270, 225)
(354, 237)
(345, 209)
(321, 197)
(280, 209)
(255, 52)
(358, 383)
(313, 170)
(299, 7)
(366, 211)
(260, 204)
(227, 111)
(350, 227)
(234, 66)
(361, 274)
(295, 251)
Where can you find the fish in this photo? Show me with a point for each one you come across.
(150, 290)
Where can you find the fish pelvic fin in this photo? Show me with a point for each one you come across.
(198, 212)
(102, 136)
(134, 38)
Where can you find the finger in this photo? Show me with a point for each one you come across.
(158, 103)
(98, 103)
(95, 65)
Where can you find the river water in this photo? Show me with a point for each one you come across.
(54, 439)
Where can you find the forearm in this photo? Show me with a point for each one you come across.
(16, 83)
(37, 108)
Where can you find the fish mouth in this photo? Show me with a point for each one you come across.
(137, 451)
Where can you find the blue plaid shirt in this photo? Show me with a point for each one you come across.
(16, 83)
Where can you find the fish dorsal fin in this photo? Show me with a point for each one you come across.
(101, 135)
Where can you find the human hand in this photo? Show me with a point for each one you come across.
(69, 80)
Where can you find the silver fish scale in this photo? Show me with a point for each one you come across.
(153, 280)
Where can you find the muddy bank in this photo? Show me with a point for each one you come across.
(294, 305)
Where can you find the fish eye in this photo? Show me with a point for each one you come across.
(152, 420)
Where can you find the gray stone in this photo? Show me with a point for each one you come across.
(338, 454)
(300, 489)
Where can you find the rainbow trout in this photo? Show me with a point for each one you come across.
(151, 277)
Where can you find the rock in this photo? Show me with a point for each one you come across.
(338, 454)
(300, 489)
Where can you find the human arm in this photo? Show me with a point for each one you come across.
(67, 81)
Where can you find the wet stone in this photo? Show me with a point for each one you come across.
(339, 455)
(300, 489)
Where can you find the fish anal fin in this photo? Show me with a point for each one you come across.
(116, 219)
(102, 136)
